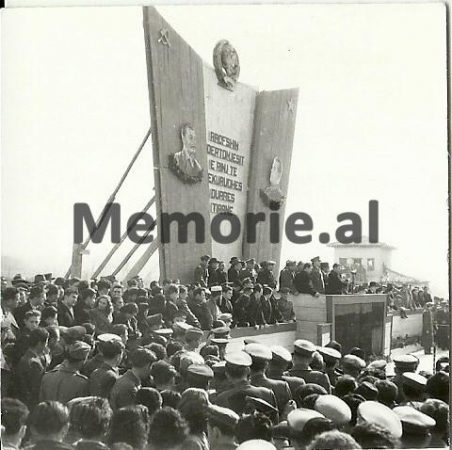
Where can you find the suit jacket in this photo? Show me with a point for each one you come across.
(124, 390)
(65, 316)
(267, 277)
(19, 313)
(102, 380)
(335, 284)
(303, 283)
(29, 373)
(286, 278)
(200, 275)
(318, 282)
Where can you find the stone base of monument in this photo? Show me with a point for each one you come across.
(352, 320)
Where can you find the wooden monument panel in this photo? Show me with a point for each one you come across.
(175, 78)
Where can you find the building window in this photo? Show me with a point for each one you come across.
(343, 262)
(370, 264)
(357, 261)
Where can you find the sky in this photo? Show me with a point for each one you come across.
(371, 121)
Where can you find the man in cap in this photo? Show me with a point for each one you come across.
(331, 357)
(35, 301)
(333, 408)
(193, 337)
(102, 379)
(221, 423)
(261, 355)
(296, 421)
(237, 372)
(318, 282)
(303, 282)
(201, 274)
(413, 387)
(285, 306)
(221, 339)
(198, 376)
(352, 365)
(126, 386)
(287, 276)
(249, 271)
(66, 382)
(281, 361)
(303, 356)
(266, 275)
(402, 364)
(428, 328)
(375, 413)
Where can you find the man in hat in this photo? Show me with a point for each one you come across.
(331, 357)
(303, 356)
(126, 386)
(403, 364)
(221, 339)
(237, 371)
(201, 273)
(35, 301)
(255, 314)
(102, 379)
(66, 382)
(66, 308)
(287, 276)
(335, 284)
(352, 365)
(266, 275)
(303, 282)
(198, 376)
(249, 271)
(193, 337)
(213, 276)
(318, 282)
(413, 387)
(221, 423)
(234, 272)
(261, 356)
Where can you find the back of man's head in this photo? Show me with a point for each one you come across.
(14, 415)
(49, 419)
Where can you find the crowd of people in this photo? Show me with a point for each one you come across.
(96, 365)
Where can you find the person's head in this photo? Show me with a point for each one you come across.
(345, 384)
(10, 298)
(14, 420)
(306, 390)
(253, 426)
(336, 268)
(103, 287)
(121, 330)
(77, 354)
(129, 310)
(168, 430)
(193, 407)
(116, 292)
(372, 436)
(172, 291)
(130, 425)
(49, 421)
(237, 366)
(37, 295)
(438, 386)
(387, 392)
(150, 398)
(333, 440)
(38, 340)
(170, 398)
(221, 422)
(158, 349)
(163, 374)
(49, 316)
(227, 292)
(32, 319)
(209, 350)
(438, 410)
(88, 297)
(173, 347)
(54, 336)
(314, 427)
(141, 360)
(90, 417)
(117, 302)
(307, 267)
(112, 351)
(70, 296)
(199, 295)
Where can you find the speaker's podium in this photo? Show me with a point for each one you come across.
(352, 320)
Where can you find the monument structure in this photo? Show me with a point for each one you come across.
(220, 146)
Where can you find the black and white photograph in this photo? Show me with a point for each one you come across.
(225, 226)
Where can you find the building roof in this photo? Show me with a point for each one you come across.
(364, 243)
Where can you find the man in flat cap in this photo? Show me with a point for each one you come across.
(352, 365)
(221, 423)
(213, 275)
(402, 364)
(303, 356)
(331, 357)
(413, 387)
(266, 275)
(237, 372)
(261, 355)
(193, 337)
(201, 274)
(287, 275)
(66, 382)
(198, 376)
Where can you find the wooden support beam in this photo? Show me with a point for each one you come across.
(145, 257)
(116, 246)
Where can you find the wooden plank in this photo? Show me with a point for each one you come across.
(274, 126)
(176, 91)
